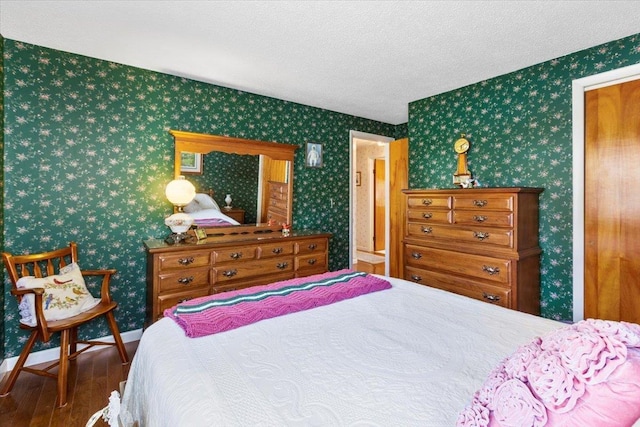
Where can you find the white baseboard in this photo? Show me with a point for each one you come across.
(52, 354)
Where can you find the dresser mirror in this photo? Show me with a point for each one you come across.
(264, 166)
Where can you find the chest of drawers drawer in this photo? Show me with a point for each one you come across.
(429, 201)
(314, 262)
(486, 218)
(312, 246)
(495, 202)
(182, 261)
(182, 280)
(481, 291)
(429, 216)
(488, 269)
(275, 250)
(243, 271)
(234, 255)
(501, 237)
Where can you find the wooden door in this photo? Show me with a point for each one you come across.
(379, 195)
(612, 202)
(398, 181)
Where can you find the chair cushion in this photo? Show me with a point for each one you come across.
(65, 295)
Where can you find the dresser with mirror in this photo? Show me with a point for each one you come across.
(231, 257)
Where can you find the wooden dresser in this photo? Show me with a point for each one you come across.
(180, 272)
(481, 242)
(235, 213)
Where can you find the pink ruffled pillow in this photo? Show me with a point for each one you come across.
(586, 374)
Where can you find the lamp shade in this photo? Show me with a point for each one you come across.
(180, 191)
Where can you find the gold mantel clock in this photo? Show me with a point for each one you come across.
(462, 177)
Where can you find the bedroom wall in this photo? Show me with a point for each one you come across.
(1, 194)
(519, 126)
(87, 156)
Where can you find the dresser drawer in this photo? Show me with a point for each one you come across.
(234, 255)
(276, 249)
(169, 300)
(311, 246)
(277, 205)
(480, 235)
(495, 219)
(254, 281)
(498, 202)
(429, 216)
(489, 269)
(428, 201)
(182, 280)
(251, 269)
(480, 291)
(315, 262)
(184, 260)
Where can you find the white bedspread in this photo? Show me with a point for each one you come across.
(212, 214)
(407, 356)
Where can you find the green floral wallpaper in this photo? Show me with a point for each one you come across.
(519, 126)
(1, 194)
(87, 156)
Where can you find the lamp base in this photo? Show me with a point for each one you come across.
(175, 238)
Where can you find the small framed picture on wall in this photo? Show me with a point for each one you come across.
(314, 154)
(190, 163)
(358, 178)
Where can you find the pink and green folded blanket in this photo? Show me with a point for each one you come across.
(230, 310)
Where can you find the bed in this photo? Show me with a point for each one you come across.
(403, 356)
(206, 213)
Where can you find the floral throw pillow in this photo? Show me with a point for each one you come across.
(65, 295)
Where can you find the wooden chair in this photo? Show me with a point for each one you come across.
(41, 265)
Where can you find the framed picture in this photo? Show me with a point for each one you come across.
(358, 177)
(201, 234)
(314, 154)
(191, 163)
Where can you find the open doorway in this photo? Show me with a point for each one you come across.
(369, 195)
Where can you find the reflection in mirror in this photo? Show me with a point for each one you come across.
(258, 175)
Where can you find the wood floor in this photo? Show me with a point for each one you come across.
(92, 378)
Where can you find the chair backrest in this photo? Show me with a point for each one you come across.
(39, 265)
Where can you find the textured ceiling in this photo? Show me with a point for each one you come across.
(368, 59)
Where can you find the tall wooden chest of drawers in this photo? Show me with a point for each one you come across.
(480, 242)
(278, 207)
(176, 273)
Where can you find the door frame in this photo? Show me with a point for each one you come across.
(353, 134)
(579, 87)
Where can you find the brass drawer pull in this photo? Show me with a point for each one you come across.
(491, 297)
(185, 261)
(236, 255)
(282, 265)
(185, 280)
(479, 218)
(427, 202)
(480, 235)
(427, 230)
(416, 278)
(416, 255)
(427, 215)
(312, 261)
(277, 250)
(491, 270)
(230, 273)
(312, 246)
(480, 203)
